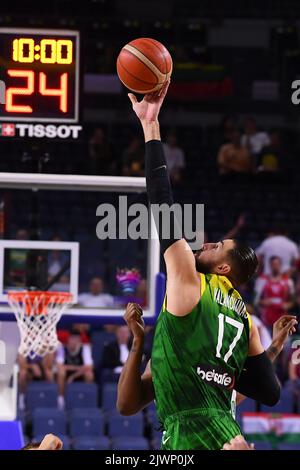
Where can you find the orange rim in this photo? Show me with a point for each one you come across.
(60, 297)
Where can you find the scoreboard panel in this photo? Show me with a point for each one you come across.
(41, 72)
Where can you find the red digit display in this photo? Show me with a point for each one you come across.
(26, 90)
(40, 69)
(61, 92)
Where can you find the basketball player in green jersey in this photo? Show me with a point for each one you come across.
(135, 391)
(204, 337)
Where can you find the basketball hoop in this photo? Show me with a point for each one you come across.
(37, 314)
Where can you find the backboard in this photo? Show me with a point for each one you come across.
(52, 221)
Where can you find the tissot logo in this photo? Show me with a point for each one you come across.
(215, 376)
(40, 130)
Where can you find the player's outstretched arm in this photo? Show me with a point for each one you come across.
(282, 329)
(183, 284)
(134, 391)
(258, 379)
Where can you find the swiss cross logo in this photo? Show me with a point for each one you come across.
(8, 130)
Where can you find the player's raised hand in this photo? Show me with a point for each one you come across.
(134, 320)
(238, 443)
(282, 328)
(50, 442)
(148, 109)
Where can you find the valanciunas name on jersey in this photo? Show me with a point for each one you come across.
(233, 303)
(215, 376)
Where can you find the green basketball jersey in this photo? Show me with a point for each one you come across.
(197, 358)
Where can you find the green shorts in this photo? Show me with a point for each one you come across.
(200, 429)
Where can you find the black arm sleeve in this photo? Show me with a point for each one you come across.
(159, 192)
(258, 380)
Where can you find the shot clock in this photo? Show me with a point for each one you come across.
(40, 69)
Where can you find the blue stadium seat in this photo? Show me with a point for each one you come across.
(289, 446)
(285, 404)
(86, 422)
(91, 443)
(48, 420)
(41, 395)
(125, 425)
(109, 376)
(81, 395)
(65, 439)
(156, 442)
(130, 443)
(109, 396)
(151, 407)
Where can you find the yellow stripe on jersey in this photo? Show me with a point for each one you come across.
(249, 321)
(202, 283)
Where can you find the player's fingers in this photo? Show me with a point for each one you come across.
(138, 309)
(289, 326)
(226, 446)
(164, 89)
(50, 442)
(252, 446)
(132, 98)
(286, 318)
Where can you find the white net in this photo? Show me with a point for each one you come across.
(37, 314)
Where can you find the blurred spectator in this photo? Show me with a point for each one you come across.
(133, 158)
(115, 353)
(253, 139)
(227, 126)
(294, 365)
(271, 155)
(61, 285)
(22, 234)
(96, 297)
(74, 363)
(100, 155)
(82, 328)
(39, 368)
(16, 270)
(276, 296)
(175, 158)
(56, 258)
(277, 243)
(233, 158)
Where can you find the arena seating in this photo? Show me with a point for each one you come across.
(48, 420)
(81, 395)
(131, 426)
(86, 422)
(41, 395)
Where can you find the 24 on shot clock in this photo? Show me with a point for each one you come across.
(41, 72)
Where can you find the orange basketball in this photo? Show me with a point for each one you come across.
(144, 65)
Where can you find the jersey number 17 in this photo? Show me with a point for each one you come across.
(236, 324)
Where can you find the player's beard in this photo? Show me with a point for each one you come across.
(202, 265)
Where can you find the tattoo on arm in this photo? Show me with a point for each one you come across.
(272, 352)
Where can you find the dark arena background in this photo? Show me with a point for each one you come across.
(70, 143)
